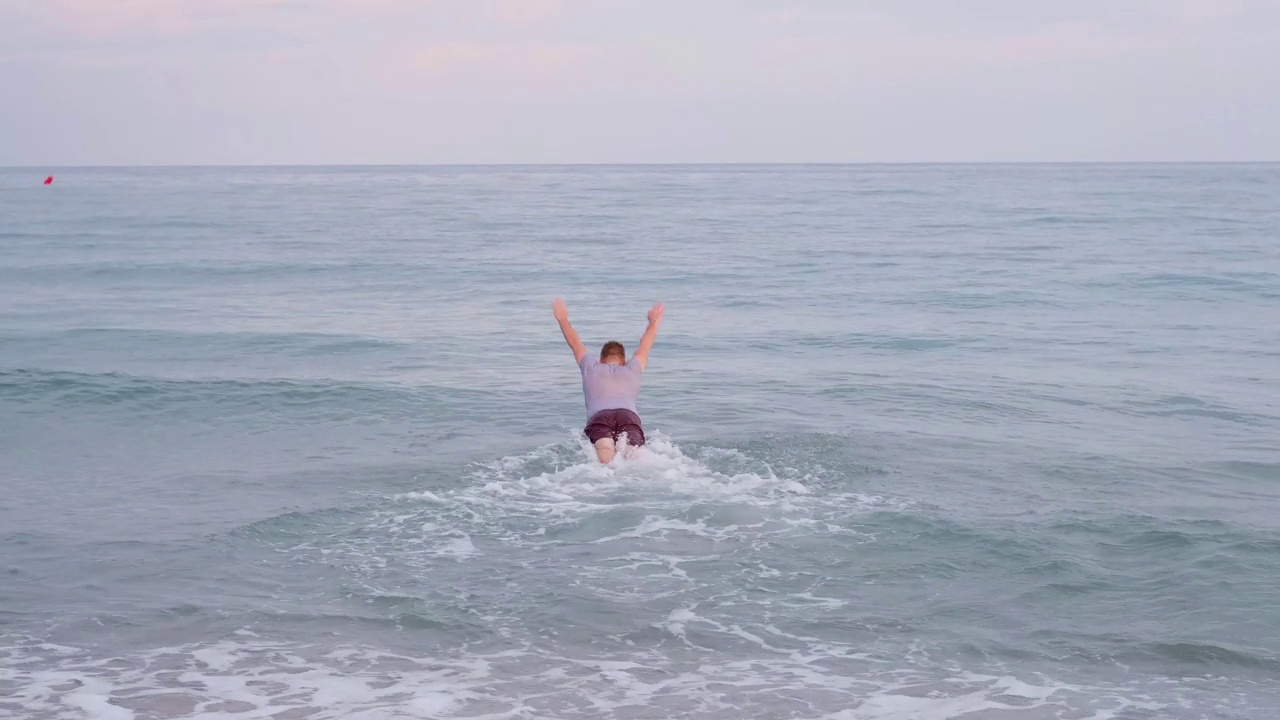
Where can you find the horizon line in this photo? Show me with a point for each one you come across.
(104, 166)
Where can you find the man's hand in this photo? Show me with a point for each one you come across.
(650, 334)
(570, 335)
(655, 314)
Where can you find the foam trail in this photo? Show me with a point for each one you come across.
(257, 680)
(676, 584)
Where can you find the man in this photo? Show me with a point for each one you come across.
(610, 385)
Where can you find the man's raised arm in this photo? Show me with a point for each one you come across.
(650, 334)
(570, 335)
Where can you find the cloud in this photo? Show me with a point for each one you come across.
(279, 57)
(1198, 11)
(522, 11)
(107, 18)
(103, 18)
(526, 59)
(477, 68)
(1067, 40)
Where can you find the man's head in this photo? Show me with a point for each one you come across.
(613, 353)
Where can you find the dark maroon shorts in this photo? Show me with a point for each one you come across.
(612, 423)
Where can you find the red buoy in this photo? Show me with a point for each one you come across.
(48, 180)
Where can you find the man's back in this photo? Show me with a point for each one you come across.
(610, 387)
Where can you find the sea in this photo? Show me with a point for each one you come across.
(926, 442)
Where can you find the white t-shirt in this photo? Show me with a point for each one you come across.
(609, 387)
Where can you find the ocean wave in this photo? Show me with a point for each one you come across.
(48, 390)
(206, 271)
(170, 341)
(1160, 657)
(877, 342)
(255, 677)
(1264, 471)
(1224, 285)
(1203, 655)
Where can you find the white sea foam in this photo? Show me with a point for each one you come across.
(459, 546)
(550, 473)
(559, 494)
(421, 495)
(241, 679)
(259, 680)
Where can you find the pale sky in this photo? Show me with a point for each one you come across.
(91, 82)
